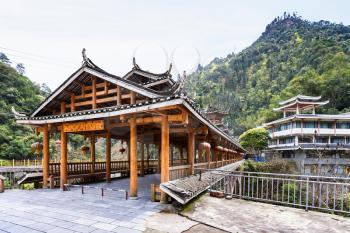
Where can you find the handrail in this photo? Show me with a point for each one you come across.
(66, 188)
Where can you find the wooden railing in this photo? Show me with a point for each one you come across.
(178, 162)
(181, 169)
(178, 172)
(76, 168)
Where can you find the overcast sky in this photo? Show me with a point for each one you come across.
(48, 36)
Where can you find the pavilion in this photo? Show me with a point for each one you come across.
(141, 108)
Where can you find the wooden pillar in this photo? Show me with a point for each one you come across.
(159, 158)
(207, 152)
(63, 107)
(72, 102)
(132, 97)
(93, 153)
(46, 155)
(142, 165)
(164, 176)
(128, 144)
(108, 156)
(119, 96)
(133, 158)
(171, 155)
(94, 103)
(190, 151)
(148, 155)
(63, 165)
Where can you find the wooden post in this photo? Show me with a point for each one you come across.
(94, 104)
(72, 103)
(207, 152)
(142, 167)
(148, 155)
(133, 158)
(108, 156)
(164, 176)
(119, 96)
(190, 151)
(63, 166)
(159, 158)
(93, 153)
(171, 155)
(132, 98)
(63, 107)
(46, 155)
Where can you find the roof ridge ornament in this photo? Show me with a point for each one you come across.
(17, 114)
(136, 66)
(85, 58)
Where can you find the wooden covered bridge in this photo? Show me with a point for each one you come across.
(141, 108)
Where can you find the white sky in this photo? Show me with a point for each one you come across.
(48, 36)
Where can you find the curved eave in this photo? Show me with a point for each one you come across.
(307, 105)
(301, 97)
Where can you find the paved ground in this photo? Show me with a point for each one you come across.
(46, 210)
(246, 216)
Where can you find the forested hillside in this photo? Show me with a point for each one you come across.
(18, 91)
(292, 56)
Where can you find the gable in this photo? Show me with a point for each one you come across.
(77, 94)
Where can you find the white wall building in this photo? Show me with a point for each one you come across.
(316, 142)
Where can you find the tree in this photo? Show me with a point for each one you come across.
(45, 89)
(4, 58)
(254, 140)
(20, 68)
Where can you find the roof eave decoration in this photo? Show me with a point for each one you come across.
(300, 97)
(316, 104)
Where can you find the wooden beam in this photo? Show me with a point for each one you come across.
(46, 155)
(119, 95)
(94, 104)
(72, 103)
(164, 176)
(108, 156)
(190, 151)
(63, 165)
(93, 153)
(133, 158)
(63, 107)
(132, 97)
(106, 84)
(142, 167)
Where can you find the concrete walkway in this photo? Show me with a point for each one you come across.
(46, 210)
(238, 215)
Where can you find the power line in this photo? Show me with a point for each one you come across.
(32, 54)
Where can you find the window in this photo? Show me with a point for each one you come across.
(326, 125)
(337, 140)
(310, 124)
(321, 139)
(343, 125)
(285, 126)
(286, 140)
(297, 124)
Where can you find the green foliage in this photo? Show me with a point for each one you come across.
(18, 91)
(293, 56)
(290, 188)
(275, 166)
(29, 186)
(254, 140)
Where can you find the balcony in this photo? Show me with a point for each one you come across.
(311, 131)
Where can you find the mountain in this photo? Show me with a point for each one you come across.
(292, 56)
(18, 91)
